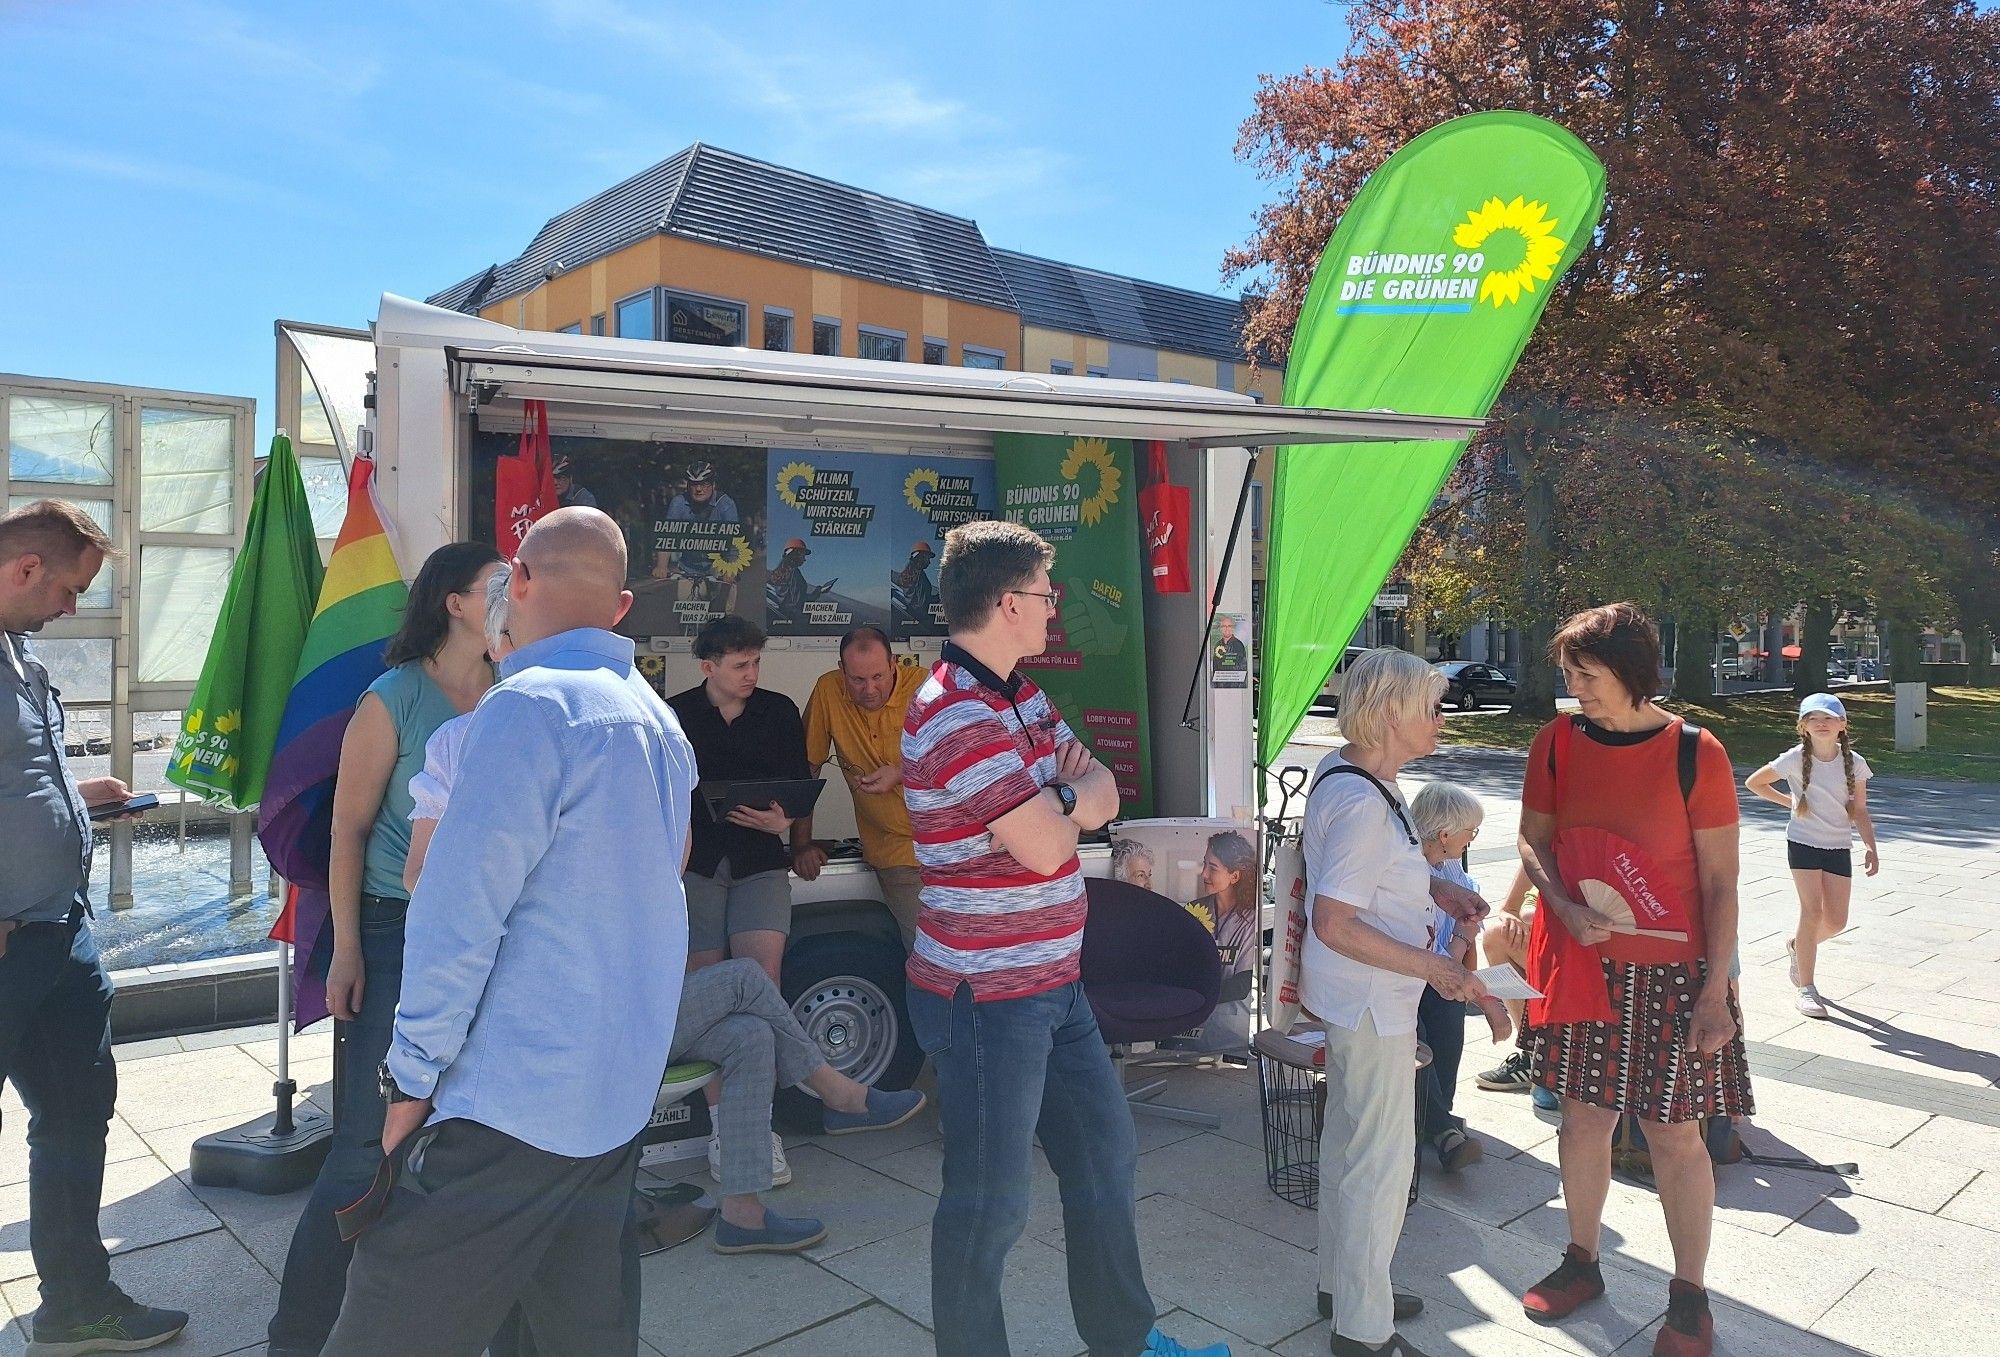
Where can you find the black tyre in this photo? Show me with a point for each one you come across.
(1468, 700)
(846, 989)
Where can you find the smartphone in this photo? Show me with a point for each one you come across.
(110, 810)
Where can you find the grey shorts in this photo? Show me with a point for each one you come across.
(719, 906)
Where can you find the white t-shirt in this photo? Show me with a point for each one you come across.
(1357, 852)
(431, 789)
(1824, 822)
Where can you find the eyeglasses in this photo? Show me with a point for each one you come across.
(1049, 599)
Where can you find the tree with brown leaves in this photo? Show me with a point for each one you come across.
(1800, 248)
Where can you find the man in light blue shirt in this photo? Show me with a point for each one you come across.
(542, 968)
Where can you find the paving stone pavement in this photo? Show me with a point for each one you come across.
(1901, 1079)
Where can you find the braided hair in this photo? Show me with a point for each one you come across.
(1806, 766)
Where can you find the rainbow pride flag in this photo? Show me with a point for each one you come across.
(361, 604)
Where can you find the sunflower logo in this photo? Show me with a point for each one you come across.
(801, 472)
(1497, 227)
(1096, 453)
(729, 564)
(917, 487)
(1202, 912)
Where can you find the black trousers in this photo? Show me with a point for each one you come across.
(480, 1222)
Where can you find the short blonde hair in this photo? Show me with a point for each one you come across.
(1382, 686)
(1443, 807)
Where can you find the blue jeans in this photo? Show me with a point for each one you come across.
(315, 1279)
(1441, 1025)
(55, 1044)
(1007, 1071)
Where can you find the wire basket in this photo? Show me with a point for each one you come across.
(1293, 1098)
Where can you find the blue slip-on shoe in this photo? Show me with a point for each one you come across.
(884, 1111)
(781, 1234)
(1159, 1345)
(130, 1330)
(1545, 1099)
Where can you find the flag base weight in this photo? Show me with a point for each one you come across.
(260, 1157)
(277, 1153)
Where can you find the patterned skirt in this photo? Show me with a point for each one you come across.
(1641, 1062)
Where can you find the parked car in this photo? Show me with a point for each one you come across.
(1471, 685)
(1329, 696)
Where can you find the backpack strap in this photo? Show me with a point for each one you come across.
(1395, 806)
(1690, 750)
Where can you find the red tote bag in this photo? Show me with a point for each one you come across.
(1164, 510)
(524, 482)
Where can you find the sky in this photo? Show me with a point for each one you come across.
(179, 176)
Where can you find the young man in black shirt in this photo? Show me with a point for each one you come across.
(738, 875)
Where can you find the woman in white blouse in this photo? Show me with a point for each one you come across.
(1366, 961)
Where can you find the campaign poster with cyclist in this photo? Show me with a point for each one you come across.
(929, 496)
(700, 553)
(827, 543)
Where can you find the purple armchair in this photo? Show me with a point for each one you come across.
(1151, 972)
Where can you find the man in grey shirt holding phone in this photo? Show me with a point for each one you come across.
(55, 998)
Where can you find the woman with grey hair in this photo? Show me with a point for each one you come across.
(1366, 960)
(1132, 862)
(1448, 818)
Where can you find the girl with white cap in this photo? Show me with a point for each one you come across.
(1827, 795)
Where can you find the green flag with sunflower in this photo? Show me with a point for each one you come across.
(1422, 303)
(224, 748)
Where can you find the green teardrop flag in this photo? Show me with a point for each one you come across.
(1422, 303)
(224, 748)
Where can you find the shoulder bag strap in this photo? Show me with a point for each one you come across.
(1395, 806)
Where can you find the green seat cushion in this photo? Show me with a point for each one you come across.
(690, 1072)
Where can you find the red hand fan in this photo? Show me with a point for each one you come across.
(1614, 876)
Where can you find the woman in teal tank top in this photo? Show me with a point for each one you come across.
(438, 669)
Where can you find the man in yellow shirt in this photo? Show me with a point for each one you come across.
(855, 717)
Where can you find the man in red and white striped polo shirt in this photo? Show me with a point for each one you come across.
(998, 789)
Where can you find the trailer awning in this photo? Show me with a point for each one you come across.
(847, 395)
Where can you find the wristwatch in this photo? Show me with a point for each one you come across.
(391, 1091)
(1067, 795)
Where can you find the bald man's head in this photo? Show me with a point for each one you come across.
(572, 574)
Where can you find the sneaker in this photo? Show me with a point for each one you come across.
(1577, 1279)
(1810, 1003)
(1689, 1330)
(133, 1329)
(781, 1172)
(1457, 1150)
(1397, 1346)
(1509, 1076)
(1545, 1099)
(1159, 1345)
(1792, 960)
(1408, 1306)
(884, 1111)
(780, 1234)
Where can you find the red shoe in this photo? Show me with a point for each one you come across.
(1576, 1279)
(1689, 1330)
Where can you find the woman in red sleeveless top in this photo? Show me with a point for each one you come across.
(1625, 797)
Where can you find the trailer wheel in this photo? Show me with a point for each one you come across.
(846, 990)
